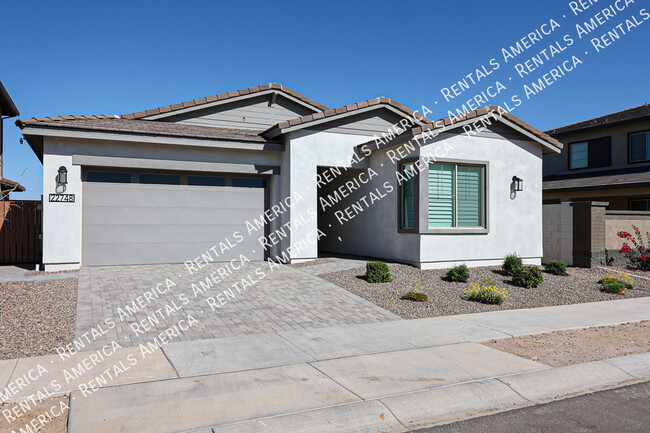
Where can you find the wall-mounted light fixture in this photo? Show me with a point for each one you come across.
(61, 179)
(518, 183)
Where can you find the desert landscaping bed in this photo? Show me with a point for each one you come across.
(561, 348)
(53, 412)
(36, 317)
(448, 298)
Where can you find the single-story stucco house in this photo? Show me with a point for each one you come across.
(266, 172)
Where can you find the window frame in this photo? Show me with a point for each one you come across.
(589, 141)
(422, 198)
(571, 159)
(416, 198)
(629, 147)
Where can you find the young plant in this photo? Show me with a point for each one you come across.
(458, 274)
(556, 267)
(528, 276)
(486, 293)
(615, 282)
(377, 272)
(639, 256)
(415, 297)
(511, 263)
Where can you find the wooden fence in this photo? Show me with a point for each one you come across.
(19, 232)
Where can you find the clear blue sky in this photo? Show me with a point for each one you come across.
(123, 56)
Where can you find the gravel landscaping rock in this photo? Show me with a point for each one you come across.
(447, 298)
(53, 412)
(36, 317)
(561, 348)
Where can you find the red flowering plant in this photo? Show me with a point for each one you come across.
(638, 254)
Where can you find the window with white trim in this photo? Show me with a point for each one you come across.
(456, 195)
(408, 191)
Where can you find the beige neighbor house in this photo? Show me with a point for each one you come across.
(268, 173)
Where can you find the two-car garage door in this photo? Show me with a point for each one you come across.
(146, 218)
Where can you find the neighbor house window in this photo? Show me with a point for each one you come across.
(640, 146)
(107, 176)
(456, 195)
(591, 153)
(408, 190)
(642, 204)
(160, 179)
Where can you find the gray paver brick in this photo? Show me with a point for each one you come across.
(286, 299)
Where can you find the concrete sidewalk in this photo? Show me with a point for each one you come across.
(391, 376)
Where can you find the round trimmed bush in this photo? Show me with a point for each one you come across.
(556, 267)
(458, 274)
(511, 263)
(528, 276)
(377, 272)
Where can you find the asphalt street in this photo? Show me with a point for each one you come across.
(624, 409)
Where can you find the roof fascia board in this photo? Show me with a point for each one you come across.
(500, 118)
(152, 139)
(166, 164)
(278, 132)
(228, 101)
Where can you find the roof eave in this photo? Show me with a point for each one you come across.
(7, 106)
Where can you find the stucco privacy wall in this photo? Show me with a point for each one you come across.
(515, 224)
(62, 222)
(304, 151)
(558, 232)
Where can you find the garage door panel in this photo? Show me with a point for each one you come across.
(145, 224)
(170, 196)
(116, 254)
(158, 216)
(163, 233)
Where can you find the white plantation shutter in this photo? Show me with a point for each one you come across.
(469, 192)
(442, 205)
(455, 195)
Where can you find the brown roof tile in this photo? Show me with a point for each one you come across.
(629, 115)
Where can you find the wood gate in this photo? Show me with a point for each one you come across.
(19, 231)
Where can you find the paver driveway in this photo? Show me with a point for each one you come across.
(283, 299)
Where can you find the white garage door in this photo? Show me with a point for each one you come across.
(146, 218)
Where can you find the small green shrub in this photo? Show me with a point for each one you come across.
(486, 292)
(556, 267)
(613, 286)
(615, 282)
(458, 274)
(377, 272)
(528, 276)
(415, 297)
(511, 263)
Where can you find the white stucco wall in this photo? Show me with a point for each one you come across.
(304, 151)
(514, 224)
(558, 232)
(61, 221)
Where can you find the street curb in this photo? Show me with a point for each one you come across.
(448, 404)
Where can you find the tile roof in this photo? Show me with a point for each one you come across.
(617, 178)
(224, 96)
(119, 125)
(341, 110)
(8, 185)
(630, 114)
(447, 121)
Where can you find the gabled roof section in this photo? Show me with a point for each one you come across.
(641, 112)
(497, 112)
(144, 127)
(7, 106)
(347, 110)
(169, 110)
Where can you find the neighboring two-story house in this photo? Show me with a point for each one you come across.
(604, 159)
(7, 109)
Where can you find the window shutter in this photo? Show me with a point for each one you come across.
(469, 196)
(441, 195)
